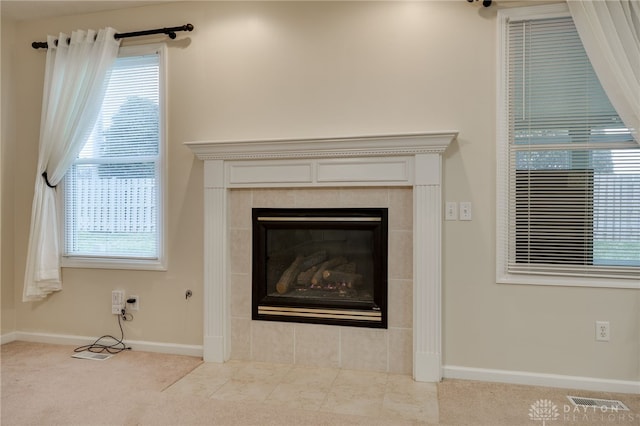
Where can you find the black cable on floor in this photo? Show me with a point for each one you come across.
(114, 348)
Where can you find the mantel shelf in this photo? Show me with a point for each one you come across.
(340, 147)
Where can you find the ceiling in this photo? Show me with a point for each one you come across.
(21, 10)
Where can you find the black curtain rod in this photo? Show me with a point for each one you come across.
(171, 32)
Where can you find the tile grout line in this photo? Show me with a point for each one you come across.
(326, 396)
(289, 369)
(231, 376)
(340, 347)
(294, 344)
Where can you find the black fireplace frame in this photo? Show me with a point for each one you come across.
(354, 313)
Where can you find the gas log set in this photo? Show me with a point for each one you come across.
(337, 276)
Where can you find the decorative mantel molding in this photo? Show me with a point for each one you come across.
(355, 146)
(413, 159)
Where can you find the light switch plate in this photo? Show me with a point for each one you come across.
(451, 210)
(465, 210)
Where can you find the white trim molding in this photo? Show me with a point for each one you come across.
(8, 337)
(350, 146)
(136, 345)
(542, 379)
(408, 160)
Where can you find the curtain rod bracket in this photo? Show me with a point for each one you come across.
(485, 3)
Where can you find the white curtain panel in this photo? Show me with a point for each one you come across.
(75, 80)
(610, 32)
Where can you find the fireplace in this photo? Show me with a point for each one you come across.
(411, 160)
(323, 266)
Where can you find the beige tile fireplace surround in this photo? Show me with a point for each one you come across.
(400, 172)
(324, 345)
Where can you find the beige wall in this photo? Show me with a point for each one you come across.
(302, 69)
(7, 133)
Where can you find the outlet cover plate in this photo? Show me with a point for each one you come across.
(117, 301)
(135, 306)
(602, 331)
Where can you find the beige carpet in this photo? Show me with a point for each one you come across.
(43, 385)
(464, 402)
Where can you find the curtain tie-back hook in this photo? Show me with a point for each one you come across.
(46, 180)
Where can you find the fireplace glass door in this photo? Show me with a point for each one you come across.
(325, 266)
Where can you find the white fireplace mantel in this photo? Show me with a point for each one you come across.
(413, 160)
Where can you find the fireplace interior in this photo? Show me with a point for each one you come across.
(326, 266)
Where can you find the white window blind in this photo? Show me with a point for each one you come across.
(113, 190)
(573, 178)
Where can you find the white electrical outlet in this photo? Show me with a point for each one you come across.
(602, 331)
(117, 301)
(134, 306)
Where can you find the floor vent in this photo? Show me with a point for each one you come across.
(91, 355)
(601, 404)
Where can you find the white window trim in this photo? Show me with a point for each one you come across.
(503, 276)
(159, 264)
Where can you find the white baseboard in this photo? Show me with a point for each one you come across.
(63, 339)
(541, 379)
(7, 338)
(449, 371)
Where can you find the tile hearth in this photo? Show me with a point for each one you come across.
(378, 395)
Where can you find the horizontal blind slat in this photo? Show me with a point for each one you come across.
(574, 179)
(112, 191)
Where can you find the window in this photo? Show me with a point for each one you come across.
(568, 168)
(113, 193)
